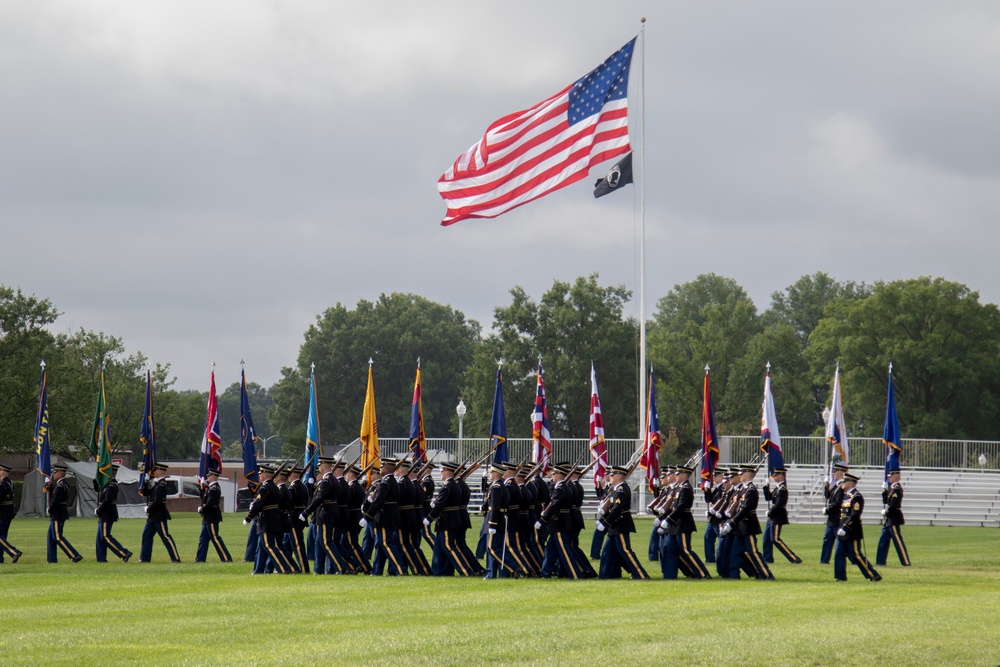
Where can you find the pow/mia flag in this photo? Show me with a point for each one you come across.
(620, 175)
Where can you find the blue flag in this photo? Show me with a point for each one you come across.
(498, 426)
(43, 455)
(248, 438)
(890, 433)
(147, 435)
(418, 439)
(312, 430)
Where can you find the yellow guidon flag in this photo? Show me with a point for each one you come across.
(369, 427)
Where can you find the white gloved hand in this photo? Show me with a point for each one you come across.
(709, 513)
(98, 513)
(246, 522)
(826, 510)
(492, 531)
(726, 528)
(311, 480)
(427, 521)
(538, 525)
(147, 509)
(662, 530)
(656, 523)
(303, 518)
(885, 512)
(600, 511)
(885, 485)
(841, 532)
(432, 504)
(363, 522)
(600, 526)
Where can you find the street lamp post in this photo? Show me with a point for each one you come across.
(263, 447)
(460, 410)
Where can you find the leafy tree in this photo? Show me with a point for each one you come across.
(23, 342)
(708, 321)
(180, 423)
(802, 303)
(393, 331)
(572, 326)
(945, 349)
(261, 404)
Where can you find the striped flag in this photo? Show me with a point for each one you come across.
(147, 436)
(528, 154)
(650, 460)
(598, 449)
(709, 439)
(312, 430)
(542, 449)
(211, 441)
(100, 438)
(770, 438)
(836, 427)
(418, 439)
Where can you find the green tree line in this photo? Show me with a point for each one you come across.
(943, 342)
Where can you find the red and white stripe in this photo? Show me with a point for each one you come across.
(598, 449)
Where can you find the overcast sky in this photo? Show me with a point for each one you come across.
(203, 178)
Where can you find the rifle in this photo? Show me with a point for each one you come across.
(465, 463)
(472, 468)
(426, 465)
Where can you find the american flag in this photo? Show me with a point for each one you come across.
(211, 442)
(598, 449)
(650, 460)
(542, 449)
(528, 154)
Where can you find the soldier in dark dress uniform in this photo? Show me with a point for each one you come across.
(420, 507)
(579, 494)
(211, 516)
(713, 494)
(617, 551)
(409, 522)
(680, 524)
(851, 533)
(834, 495)
(745, 527)
(659, 497)
(327, 558)
(542, 495)
(427, 486)
(266, 509)
(382, 511)
(529, 516)
(463, 510)
(725, 508)
(107, 515)
(555, 517)
(157, 516)
(6, 514)
(892, 498)
(445, 509)
(355, 499)
(58, 513)
(597, 539)
(512, 536)
(499, 561)
(300, 499)
(777, 516)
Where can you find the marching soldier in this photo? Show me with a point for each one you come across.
(383, 512)
(107, 514)
(542, 496)
(834, 494)
(300, 498)
(578, 523)
(725, 508)
(463, 510)
(266, 509)
(427, 486)
(499, 561)
(211, 516)
(559, 526)
(355, 499)
(777, 516)
(512, 536)
(680, 524)
(617, 553)
(529, 516)
(6, 514)
(851, 533)
(597, 540)
(659, 497)
(421, 505)
(445, 509)
(157, 516)
(746, 527)
(892, 498)
(58, 513)
(409, 522)
(713, 494)
(327, 558)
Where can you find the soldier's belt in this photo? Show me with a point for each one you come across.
(329, 502)
(268, 507)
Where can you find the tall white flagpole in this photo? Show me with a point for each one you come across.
(642, 244)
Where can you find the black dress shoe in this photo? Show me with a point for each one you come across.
(16, 556)
(128, 554)
(877, 577)
(77, 559)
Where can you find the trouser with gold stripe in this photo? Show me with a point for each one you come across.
(157, 528)
(772, 539)
(106, 541)
(850, 550)
(56, 539)
(210, 533)
(618, 554)
(678, 555)
(890, 533)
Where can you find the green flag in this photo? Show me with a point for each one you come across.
(100, 439)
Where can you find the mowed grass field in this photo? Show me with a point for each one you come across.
(944, 610)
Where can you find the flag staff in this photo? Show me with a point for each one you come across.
(642, 227)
